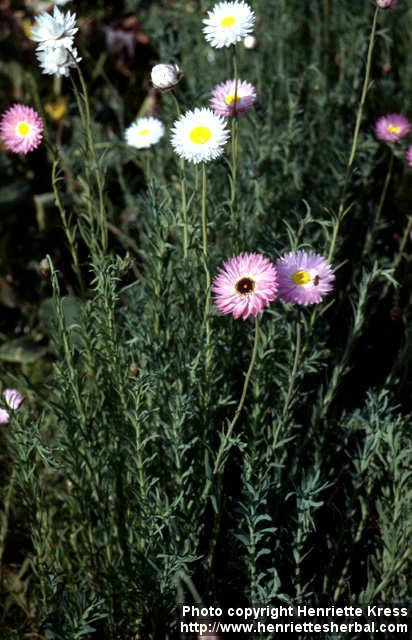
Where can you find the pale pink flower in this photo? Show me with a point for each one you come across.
(227, 100)
(21, 129)
(13, 398)
(245, 285)
(4, 417)
(304, 278)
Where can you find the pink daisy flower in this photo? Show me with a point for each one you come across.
(392, 128)
(4, 417)
(386, 4)
(304, 278)
(245, 285)
(223, 98)
(21, 129)
(13, 398)
(409, 156)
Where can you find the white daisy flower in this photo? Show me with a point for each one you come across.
(57, 30)
(144, 133)
(57, 61)
(199, 135)
(228, 23)
(61, 3)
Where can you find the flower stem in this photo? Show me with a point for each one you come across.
(375, 223)
(224, 448)
(147, 166)
(172, 93)
(294, 369)
(207, 272)
(402, 245)
(4, 517)
(344, 573)
(355, 139)
(289, 393)
(70, 235)
(391, 574)
(232, 425)
(235, 150)
(97, 169)
(183, 191)
(184, 208)
(364, 88)
(399, 255)
(341, 209)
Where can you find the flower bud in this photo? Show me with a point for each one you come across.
(12, 398)
(44, 268)
(386, 4)
(165, 76)
(250, 43)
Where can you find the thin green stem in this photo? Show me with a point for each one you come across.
(235, 150)
(399, 255)
(375, 223)
(289, 393)
(355, 139)
(225, 440)
(175, 100)
(183, 192)
(196, 178)
(69, 234)
(232, 425)
(364, 88)
(406, 234)
(184, 208)
(359, 532)
(4, 520)
(395, 572)
(191, 586)
(207, 272)
(96, 165)
(148, 165)
(203, 211)
(294, 370)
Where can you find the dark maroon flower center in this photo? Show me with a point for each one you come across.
(245, 286)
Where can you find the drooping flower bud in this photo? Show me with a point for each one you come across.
(386, 4)
(165, 76)
(13, 398)
(250, 43)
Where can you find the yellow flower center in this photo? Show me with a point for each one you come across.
(23, 128)
(144, 132)
(231, 99)
(301, 277)
(200, 135)
(245, 285)
(393, 128)
(229, 21)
